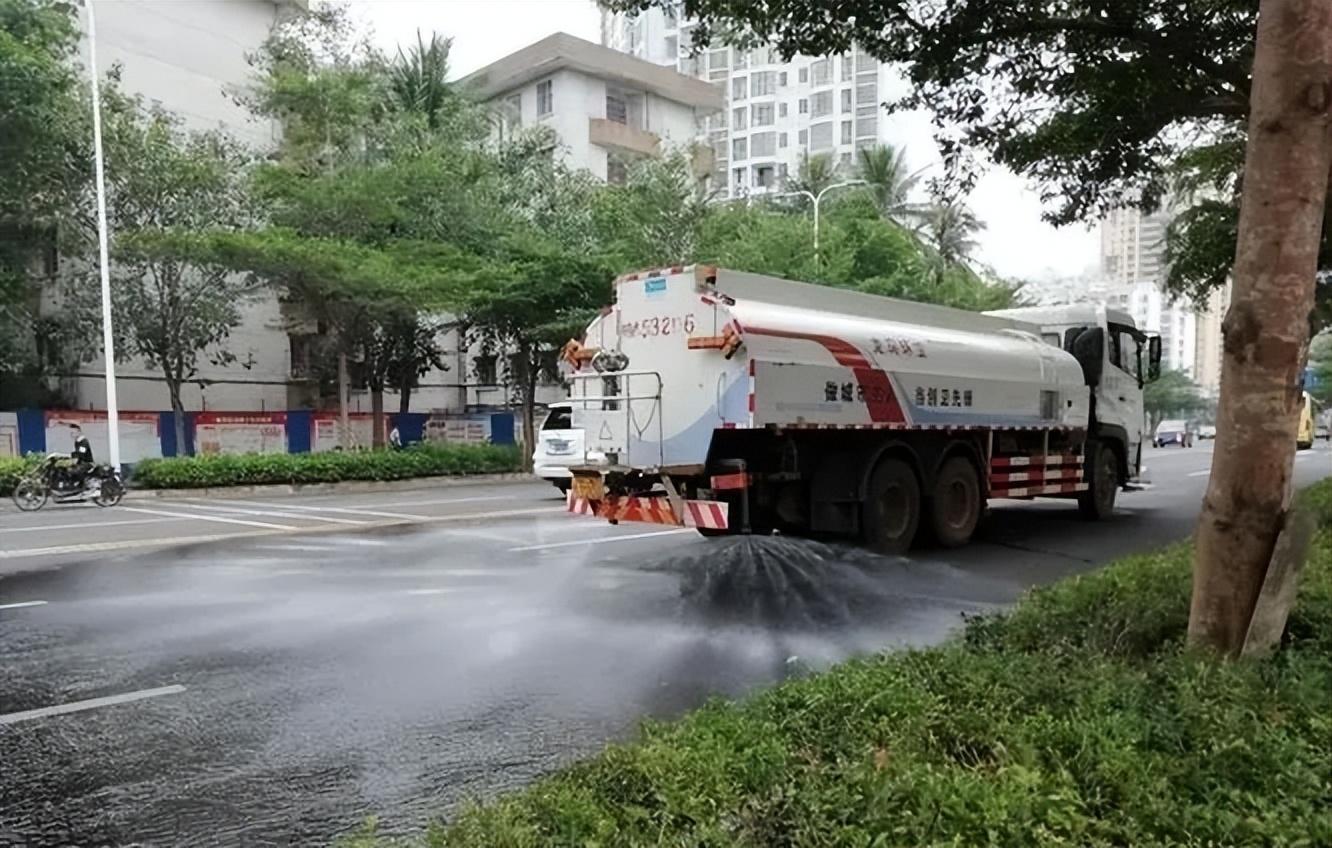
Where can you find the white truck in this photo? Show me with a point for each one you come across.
(734, 403)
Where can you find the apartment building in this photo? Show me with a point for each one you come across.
(606, 108)
(1133, 246)
(775, 111)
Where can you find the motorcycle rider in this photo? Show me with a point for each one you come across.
(82, 456)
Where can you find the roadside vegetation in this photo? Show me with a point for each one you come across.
(198, 472)
(1078, 718)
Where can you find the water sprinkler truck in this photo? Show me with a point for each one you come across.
(740, 403)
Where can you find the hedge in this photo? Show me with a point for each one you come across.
(12, 470)
(198, 472)
(1076, 719)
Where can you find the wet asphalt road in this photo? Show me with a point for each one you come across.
(290, 683)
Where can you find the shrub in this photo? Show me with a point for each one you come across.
(198, 472)
(1075, 719)
(12, 470)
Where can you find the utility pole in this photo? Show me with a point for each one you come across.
(108, 334)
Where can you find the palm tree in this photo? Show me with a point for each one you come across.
(951, 227)
(884, 168)
(814, 174)
(419, 78)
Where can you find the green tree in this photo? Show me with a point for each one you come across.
(814, 173)
(171, 310)
(883, 167)
(419, 80)
(1171, 396)
(44, 159)
(951, 228)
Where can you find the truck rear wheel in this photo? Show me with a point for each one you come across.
(890, 513)
(1098, 501)
(955, 503)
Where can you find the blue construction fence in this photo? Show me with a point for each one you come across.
(153, 434)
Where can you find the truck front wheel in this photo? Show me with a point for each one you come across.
(890, 513)
(955, 503)
(1098, 501)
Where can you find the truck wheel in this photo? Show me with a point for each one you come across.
(955, 503)
(1098, 501)
(891, 511)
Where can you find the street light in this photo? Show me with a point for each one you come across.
(108, 337)
(816, 199)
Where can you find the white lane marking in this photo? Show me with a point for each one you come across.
(90, 704)
(269, 513)
(23, 604)
(217, 518)
(86, 524)
(104, 547)
(434, 501)
(1202, 473)
(601, 539)
(340, 510)
(174, 541)
(430, 591)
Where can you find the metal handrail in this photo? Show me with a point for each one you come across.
(627, 400)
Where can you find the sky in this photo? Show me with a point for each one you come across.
(1016, 243)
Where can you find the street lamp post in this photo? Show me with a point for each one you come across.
(108, 336)
(816, 199)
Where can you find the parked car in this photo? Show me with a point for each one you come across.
(1207, 431)
(1173, 433)
(558, 446)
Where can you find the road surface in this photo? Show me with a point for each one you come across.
(271, 670)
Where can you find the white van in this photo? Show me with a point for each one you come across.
(558, 446)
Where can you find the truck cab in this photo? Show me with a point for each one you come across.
(1117, 359)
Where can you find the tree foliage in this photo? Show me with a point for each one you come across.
(1173, 394)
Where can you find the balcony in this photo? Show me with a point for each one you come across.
(622, 137)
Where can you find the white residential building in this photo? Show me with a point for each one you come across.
(1133, 246)
(1153, 312)
(775, 111)
(606, 108)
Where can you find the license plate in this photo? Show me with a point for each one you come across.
(590, 488)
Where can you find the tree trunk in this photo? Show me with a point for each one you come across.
(405, 395)
(527, 388)
(177, 415)
(344, 424)
(377, 415)
(1266, 330)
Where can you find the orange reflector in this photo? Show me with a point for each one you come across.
(707, 343)
(738, 480)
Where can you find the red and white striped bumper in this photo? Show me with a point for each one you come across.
(1025, 476)
(709, 515)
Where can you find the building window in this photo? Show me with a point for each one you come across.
(741, 59)
(781, 141)
(781, 110)
(484, 367)
(869, 128)
(717, 59)
(616, 109)
(822, 104)
(763, 144)
(763, 82)
(821, 136)
(846, 100)
(803, 138)
(740, 149)
(821, 71)
(847, 70)
(868, 93)
(804, 106)
(866, 63)
(763, 114)
(672, 47)
(804, 74)
(738, 118)
(739, 176)
(765, 176)
(781, 79)
(739, 88)
(846, 132)
(545, 98)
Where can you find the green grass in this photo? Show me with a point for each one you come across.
(1074, 720)
(198, 472)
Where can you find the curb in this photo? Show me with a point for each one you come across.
(346, 487)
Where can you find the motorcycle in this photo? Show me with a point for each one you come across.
(51, 480)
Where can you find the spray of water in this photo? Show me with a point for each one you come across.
(779, 581)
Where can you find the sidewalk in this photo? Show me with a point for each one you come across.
(346, 487)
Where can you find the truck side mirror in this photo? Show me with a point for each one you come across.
(1153, 359)
(1089, 351)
